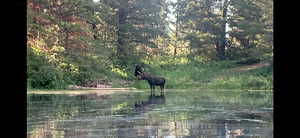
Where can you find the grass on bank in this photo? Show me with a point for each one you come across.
(179, 73)
(216, 75)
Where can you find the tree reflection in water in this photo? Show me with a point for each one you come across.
(175, 114)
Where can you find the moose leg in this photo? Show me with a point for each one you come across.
(151, 87)
(161, 88)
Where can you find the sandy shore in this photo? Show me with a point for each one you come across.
(98, 91)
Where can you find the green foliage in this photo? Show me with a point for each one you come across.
(216, 75)
(239, 28)
(140, 85)
(261, 78)
(42, 74)
(71, 42)
(50, 78)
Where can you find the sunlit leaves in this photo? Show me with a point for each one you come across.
(119, 72)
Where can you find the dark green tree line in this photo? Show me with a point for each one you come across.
(138, 23)
(226, 29)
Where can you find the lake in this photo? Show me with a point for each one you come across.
(135, 114)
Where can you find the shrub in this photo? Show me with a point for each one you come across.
(48, 77)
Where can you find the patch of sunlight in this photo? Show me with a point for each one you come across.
(94, 57)
(182, 60)
(57, 49)
(200, 59)
(37, 46)
(182, 116)
(52, 57)
(71, 67)
(63, 65)
(233, 79)
(119, 71)
(119, 106)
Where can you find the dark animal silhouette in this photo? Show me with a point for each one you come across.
(138, 69)
(153, 81)
(146, 105)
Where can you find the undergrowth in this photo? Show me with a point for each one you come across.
(214, 75)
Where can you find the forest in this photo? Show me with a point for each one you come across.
(192, 43)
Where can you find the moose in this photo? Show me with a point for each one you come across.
(152, 79)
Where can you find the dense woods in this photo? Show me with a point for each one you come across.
(78, 41)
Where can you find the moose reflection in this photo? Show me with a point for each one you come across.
(146, 105)
(187, 113)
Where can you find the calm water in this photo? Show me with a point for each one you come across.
(177, 114)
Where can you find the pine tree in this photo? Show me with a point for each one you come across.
(249, 26)
(138, 22)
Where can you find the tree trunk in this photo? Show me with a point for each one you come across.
(67, 41)
(176, 36)
(121, 30)
(222, 40)
(220, 51)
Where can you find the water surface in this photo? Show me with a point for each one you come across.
(132, 114)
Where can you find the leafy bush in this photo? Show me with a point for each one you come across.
(49, 77)
(41, 74)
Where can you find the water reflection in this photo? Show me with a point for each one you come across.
(176, 114)
(142, 106)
